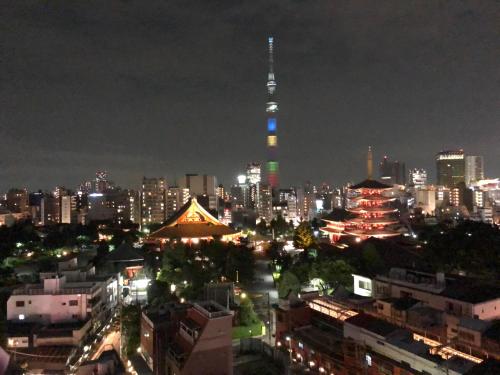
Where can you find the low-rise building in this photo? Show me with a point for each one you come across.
(203, 342)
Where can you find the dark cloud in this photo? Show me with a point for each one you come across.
(163, 87)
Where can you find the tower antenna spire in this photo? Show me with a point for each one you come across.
(369, 163)
(272, 123)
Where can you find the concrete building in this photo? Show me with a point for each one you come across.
(265, 203)
(418, 177)
(48, 322)
(158, 327)
(203, 342)
(153, 201)
(17, 201)
(176, 198)
(425, 199)
(454, 296)
(380, 341)
(187, 338)
(199, 184)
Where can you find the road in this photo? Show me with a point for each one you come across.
(262, 291)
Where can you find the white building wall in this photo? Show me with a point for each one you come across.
(48, 308)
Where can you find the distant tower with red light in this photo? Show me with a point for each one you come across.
(272, 123)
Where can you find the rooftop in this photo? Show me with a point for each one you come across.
(192, 221)
(370, 184)
(124, 253)
(211, 309)
(372, 324)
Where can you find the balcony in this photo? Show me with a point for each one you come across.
(176, 354)
(189, 330)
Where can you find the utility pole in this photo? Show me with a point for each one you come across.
(269, 317)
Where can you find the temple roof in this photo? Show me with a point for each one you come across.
(370, 184)
(192, 221)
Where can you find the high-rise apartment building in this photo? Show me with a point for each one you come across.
(450, 167)
(153, 200)
(265, 202)
(474, 169)
(176, 198)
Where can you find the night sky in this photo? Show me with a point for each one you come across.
(157, 87)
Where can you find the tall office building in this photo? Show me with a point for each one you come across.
(392, 172)
(253, 173)
(450, 167)
(474, 169)
(418, 177)
(253, 181)
(272, 124)
(153, 200)
(101, 182)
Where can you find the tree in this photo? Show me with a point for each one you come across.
(159, 293)
(303, 237)
(371, 259)
(333, 272)
(261, 228)
(131, 327)
(247, 312)
(288, 283)
(279, 226)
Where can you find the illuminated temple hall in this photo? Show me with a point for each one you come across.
(368, 211)
(193, 223)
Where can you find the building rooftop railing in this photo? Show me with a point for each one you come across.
(34, 291)
(211, 309)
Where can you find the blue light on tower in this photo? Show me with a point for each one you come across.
(271, 125)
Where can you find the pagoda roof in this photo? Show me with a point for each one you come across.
(338, 214)
(374, 220)
(381, 209)
(370, 184)
(372, 198)
(377, 233)
(192, 221)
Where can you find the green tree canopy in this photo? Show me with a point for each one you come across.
(303, 237)
(333, 272)
(288, 283)
(247, 312)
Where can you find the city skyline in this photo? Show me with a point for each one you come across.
(122, 89)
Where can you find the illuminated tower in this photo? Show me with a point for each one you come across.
(272, 124)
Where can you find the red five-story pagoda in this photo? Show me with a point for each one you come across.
(369, 202)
